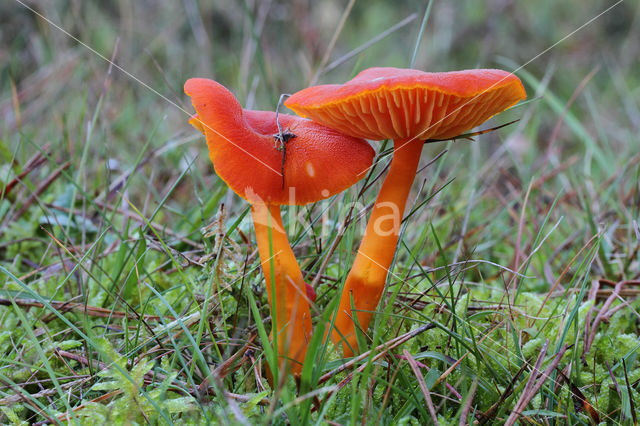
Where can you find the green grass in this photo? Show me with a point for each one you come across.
(130, 286)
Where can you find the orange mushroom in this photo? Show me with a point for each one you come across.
(319, 162)
(408, 106)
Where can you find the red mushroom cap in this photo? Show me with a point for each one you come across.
(319, 161)
(393, 103)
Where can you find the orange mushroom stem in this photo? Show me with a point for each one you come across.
(290, 307)
(408, 106)
(368, 275)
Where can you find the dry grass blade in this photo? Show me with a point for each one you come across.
(631, 403)
(556, 129)
(39, 190)
(532, 387)
(593, 291)
(564, 272)
(224, 368)
(382, 349)
(94, 311)
(488, 415)
(613, 379)
(529, 385)
(336, 242)
(332, 43)
(601, 314)
(32, 164)
(423, 385)
(374, 40)
(133, 216)
(580, 402)
(440, 379)
(518, 244)
(464, 413)
(451, 368)
(14, 399)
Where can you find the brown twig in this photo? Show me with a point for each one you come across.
(93, 311)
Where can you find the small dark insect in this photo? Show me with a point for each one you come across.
(282, 137)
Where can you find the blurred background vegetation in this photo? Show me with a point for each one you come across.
(263, 48)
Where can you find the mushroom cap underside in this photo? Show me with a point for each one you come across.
(393, 103)
(318, 161)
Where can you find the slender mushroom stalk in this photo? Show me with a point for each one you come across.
(407, 106)
(368, 274)
(243, 151)
(284, 281)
